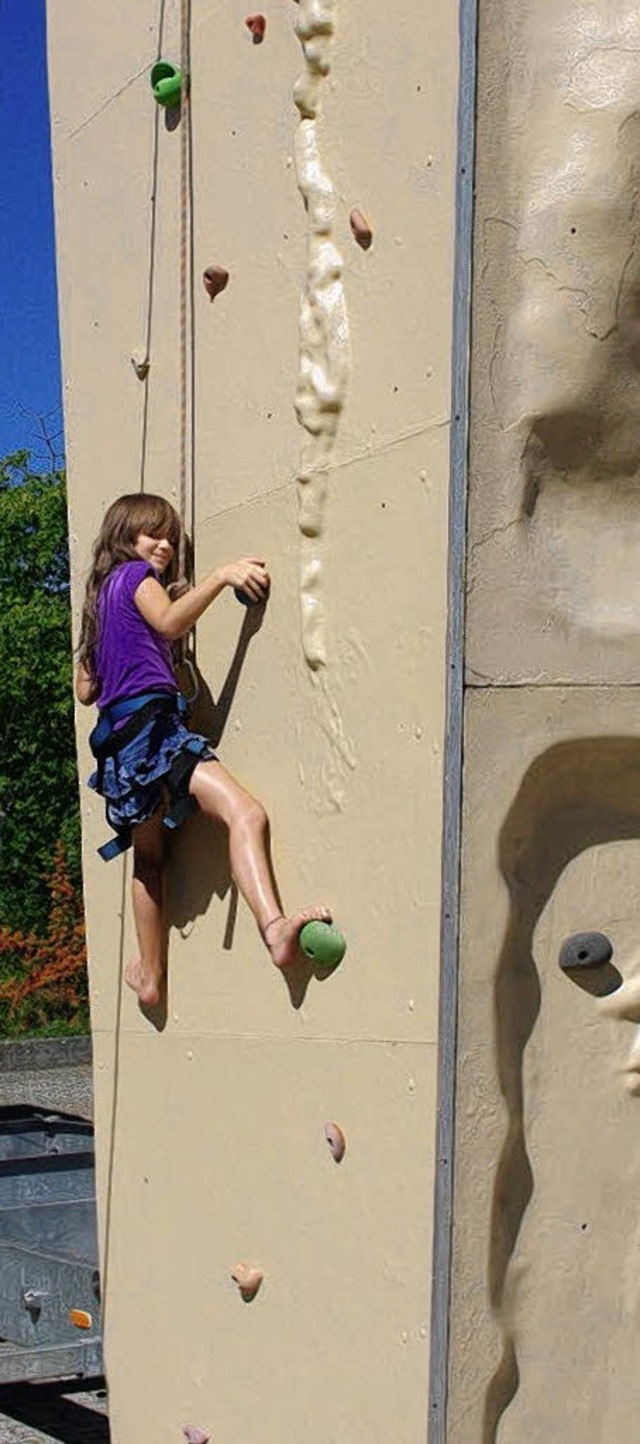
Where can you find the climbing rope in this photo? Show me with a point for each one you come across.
(141, 361)
(141, 364)
(186, 429)
(187, 433)
(187, 369)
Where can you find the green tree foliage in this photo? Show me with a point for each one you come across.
(38, 774)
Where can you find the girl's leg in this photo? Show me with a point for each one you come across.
(220, 796)
(147, 974)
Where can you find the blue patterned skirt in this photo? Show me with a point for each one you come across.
(134, 778)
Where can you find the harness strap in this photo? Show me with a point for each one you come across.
(116, 845)
(105, 742)
(178, 779)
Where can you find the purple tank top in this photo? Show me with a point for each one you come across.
(130, 656)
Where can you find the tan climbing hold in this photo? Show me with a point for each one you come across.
(194, 1434)
(215, 279)
(140, 362)
(248, 1280)
(257, 25)
(361, 229)
(336, 1140)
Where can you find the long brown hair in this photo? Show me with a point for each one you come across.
(124, 521)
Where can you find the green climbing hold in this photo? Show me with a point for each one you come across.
(323, 944)
(166, 83)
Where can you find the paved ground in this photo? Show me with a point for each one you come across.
(53, 1414)
(54, 1074)
(51, 1073)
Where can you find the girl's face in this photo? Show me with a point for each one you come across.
(156, 550)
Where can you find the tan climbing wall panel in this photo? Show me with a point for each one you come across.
(260, 1185)
(224, 1111)
(545, 1242)
(555, 446)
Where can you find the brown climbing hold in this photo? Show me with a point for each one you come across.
(257, 25)
(248, 1281)
(215, 279)
(195, 1435)
(140, 363)
(361, 229)
(336, 1140)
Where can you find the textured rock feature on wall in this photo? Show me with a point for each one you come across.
(324, 328)
(546, 1249)
(555, 457)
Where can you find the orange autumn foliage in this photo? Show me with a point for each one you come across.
(49, 977)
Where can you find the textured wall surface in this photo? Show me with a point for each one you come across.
(321, 404)
(554, 502)
(545, 1239)
(545, 1258)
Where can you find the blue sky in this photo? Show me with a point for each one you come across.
(29, 347)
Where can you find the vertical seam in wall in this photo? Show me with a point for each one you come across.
(452, 769)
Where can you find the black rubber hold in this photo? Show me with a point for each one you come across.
(246, 600)
(585, 950)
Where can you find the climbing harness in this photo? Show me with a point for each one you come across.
(107, 740)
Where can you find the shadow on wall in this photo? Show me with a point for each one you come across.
(598, 440)
(575, 796)
(198, 866)
(199, 855)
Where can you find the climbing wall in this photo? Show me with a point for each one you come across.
(545, 1299)
(317, 411)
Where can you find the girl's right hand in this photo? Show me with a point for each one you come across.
(248, 574)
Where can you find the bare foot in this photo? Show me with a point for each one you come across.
(149, 987)
(624, 1002)
(281, 934)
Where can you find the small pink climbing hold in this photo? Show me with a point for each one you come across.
(257, 25)
(248, 1280)
(215, 279)
(336, 1140)
(195, 1435)
(361, 229)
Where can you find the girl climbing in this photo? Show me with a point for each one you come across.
(151, 769)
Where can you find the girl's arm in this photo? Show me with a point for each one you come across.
(86, 688)
(175, 619)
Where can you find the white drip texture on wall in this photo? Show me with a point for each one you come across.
(324, 329)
